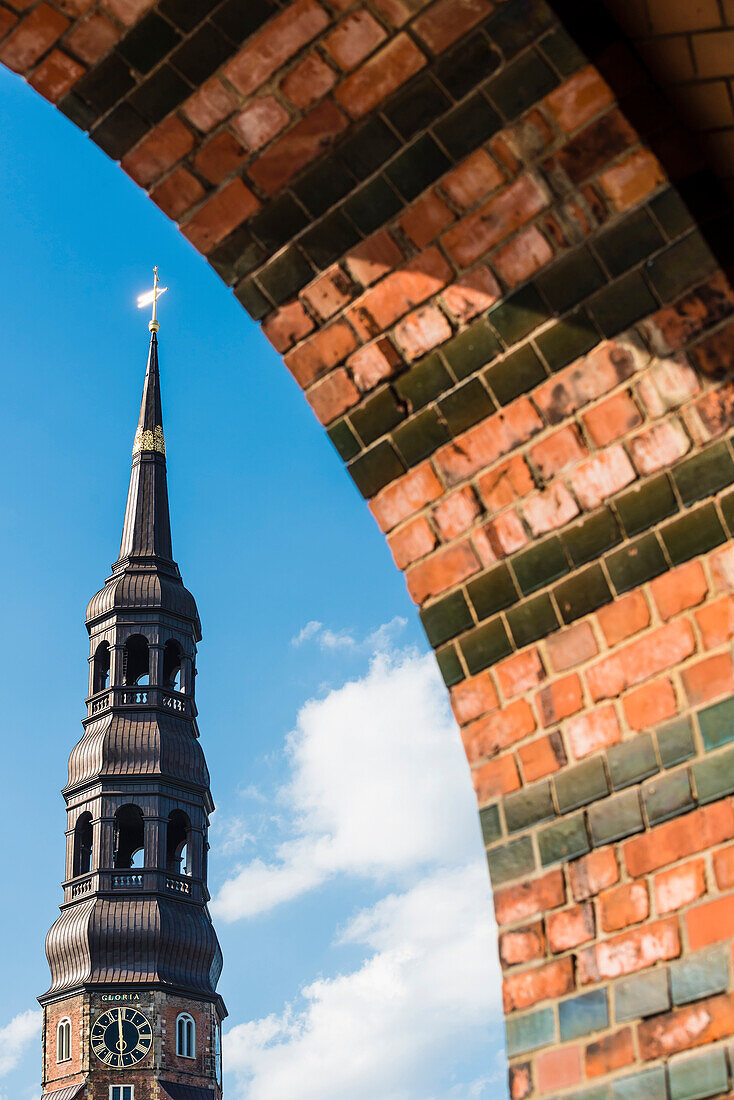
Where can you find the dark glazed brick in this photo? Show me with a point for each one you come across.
(489, 819)
(671, 212)
(714, 776)
(532, 620)
(449, 666)
(568, 340)
(581, 1015)
(518, 314)
(644, 995)
(591, 538)
(528, 807)
(636, 563)
(703, 1075)
(565, 840)
(675, 742)
(621, 304)
(117, 134)
(377, 416)
(148, 42)
(511, 860)
(462, 68)
(77, 111)
(485, 646)
(367, 147)
(105, 84)
(693, 534)
(700, 975)
(160, 94)
(375, 469)
(278, 222)
(570, 280)
(632, 761)
(522, 85)
(187, 14)
(248, 293)
(563, 53)
(705, 473)
(344, 440)
(686, 262)
(726, 504)
(648, 1085)
(329, 239)
(322, 186)
(541, 564)
(465, 406)
(629, 241)
(418, 165)
(516, 374)
(618, 817)
(202, 54)
(582, 594)
(238, 20)
(423, 382)
(581, 785)
(286, 275)
(667, 797)
(493, 592)
(421, 436)
(237, 256)
(373, 205)
(717, 725)
(467, 127)
(474, 348)
(518, 25)
(446, 619)
(416, 107)
(644, 507)
(529, 1032)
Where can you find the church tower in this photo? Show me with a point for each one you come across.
(132, 1012)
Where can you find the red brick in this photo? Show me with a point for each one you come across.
(329, 293)
(674, 326)
(520, 673)
(632, 179)
(128, 11)
(495, 778)
(279, 40)
(680, 589)
(529, 137)
(506, 483)
(674, 840)
(560, 699)
(571, 647)
(488, 441)
(425, 219)
(667, 385)
(542, 757)
(406, 495)
(603, 476)
(522, 257)
(473, 697)
(260, 122)
(713, 414)
(209, 106)
(332, 396)
(487, 736)
(398, 293)
(612, 419)
(372, 259)
(421, 331)
(177, 193)
(630, 952)
(596, 730)
(395, 63)
(716, 622)
(474, 179)
(624, 905)
(593, 873)
(582, 382)
(522, 945)
(558, 451)
(32, 37)
(579, 99)
(542, 983)
(591, 150)
(456, 513)
(447, 20)
(298, 146)
(500, 537)
(287, 326)
(411, 542)
(679, 886)
(56, 75)
(321, 352)
(709, 678)
(219, 157)
(650, 704)
(570, 928)
(471, 294)
(714, 352)
(308, 81)
(354, 39)
(624, 617)
(7, 20)
(223, 212)
(609, 1053)
(724, 868)
(693, 1026)
(159, 150)
(722, 568)
(527, 899)
(654, 653)
(552, 508)
(495, 221)
(399, 12)
(92, 37)
(373, 363)
(442, 571)
(659, 446)
(558, 1069)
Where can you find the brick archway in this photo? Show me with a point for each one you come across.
(480, 239)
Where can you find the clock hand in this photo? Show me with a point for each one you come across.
(121, 1041)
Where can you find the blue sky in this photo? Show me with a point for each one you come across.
(346, 852)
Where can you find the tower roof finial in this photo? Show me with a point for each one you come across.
(150, 297)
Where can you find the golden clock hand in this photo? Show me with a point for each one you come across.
(121, 1041)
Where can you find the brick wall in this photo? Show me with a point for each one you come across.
(484, 255)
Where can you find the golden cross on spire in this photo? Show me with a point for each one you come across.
(151, 298)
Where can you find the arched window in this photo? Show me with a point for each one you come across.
(129, 839)
(185, 1036)
(63, 1040)
(101, 677)
(136, 661)
(83, 845)
(218, 1053)
(172, 665)
(178, 835)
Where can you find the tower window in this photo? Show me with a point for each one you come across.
(83, 845)
(129, 837)
(178, 835)
(185, 1036)
(101, 677)
(136, 660)
(63, 1040)
(122, 1092)
(172, 665)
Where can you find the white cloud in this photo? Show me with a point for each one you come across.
(15, 1037)
(332, 640)
(306, 632)
(426, 996)
(379, 787)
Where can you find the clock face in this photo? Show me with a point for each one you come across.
(121, 1037)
